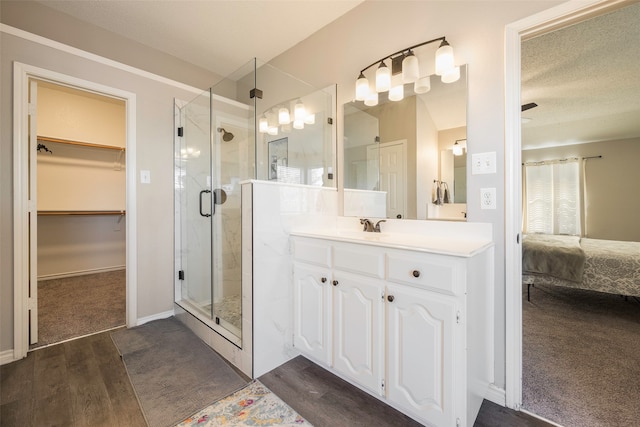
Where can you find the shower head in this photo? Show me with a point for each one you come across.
(226, 136)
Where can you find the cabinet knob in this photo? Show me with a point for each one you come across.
(335, 283)
(416, 273)
(323, 280)
(390, 298)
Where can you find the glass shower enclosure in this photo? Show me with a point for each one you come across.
(234, 132)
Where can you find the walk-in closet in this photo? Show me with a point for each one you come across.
(81, 188)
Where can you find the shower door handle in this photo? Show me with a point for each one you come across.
(201, 193)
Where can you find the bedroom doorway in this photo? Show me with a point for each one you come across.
(520, 345)
(25, 147)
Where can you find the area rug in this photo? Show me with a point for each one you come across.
(173, 372)
(253, 405)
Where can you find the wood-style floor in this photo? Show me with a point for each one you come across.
(84, 383)
(76, 383)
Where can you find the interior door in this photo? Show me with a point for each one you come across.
(393, 177)
(33, 212)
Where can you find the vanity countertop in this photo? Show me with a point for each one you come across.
(456, 246)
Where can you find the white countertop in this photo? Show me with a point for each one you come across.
(445, 245)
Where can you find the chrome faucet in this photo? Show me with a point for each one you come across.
(368, 225)
(376, 229)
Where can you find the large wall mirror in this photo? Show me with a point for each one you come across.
(407, 159)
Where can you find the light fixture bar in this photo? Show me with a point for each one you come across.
(443, 39)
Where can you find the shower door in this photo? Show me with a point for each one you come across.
(211, 160)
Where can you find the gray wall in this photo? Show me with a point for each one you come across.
(613, 199)
(475, 30)
(154, 140)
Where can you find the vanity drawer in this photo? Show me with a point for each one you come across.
(312, 251)
(359, 259)
(438, 273)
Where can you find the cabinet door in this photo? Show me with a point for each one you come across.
(358, 321)
(312, 312)
(420, 354)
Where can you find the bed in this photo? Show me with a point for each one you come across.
(599, 265)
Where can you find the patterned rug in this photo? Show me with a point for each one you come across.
(253, 405)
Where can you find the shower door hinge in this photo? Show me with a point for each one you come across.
(255, 93)
(330, 120)
(181, 275)
(180, 131)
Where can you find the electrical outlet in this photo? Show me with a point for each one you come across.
(487, 198)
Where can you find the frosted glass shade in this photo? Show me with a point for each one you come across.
(372, 100)
(422, 85)
(396, 93)
(273, 130)
(310, 119)
(451, 76)
(410, 68)
(284, 118)
(298, 124)
(383, 78)
(362, 88)
(444, 59)
(457, 149)
(299, 112)
(263, 125)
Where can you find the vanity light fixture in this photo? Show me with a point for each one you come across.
(457, 148)
(405, 64)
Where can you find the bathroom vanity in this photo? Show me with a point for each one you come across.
(406, 317)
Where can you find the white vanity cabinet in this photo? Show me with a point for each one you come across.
(399, 323)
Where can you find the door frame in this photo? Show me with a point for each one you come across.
(551, 19)
(22, 207)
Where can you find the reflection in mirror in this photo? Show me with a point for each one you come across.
(399, 155)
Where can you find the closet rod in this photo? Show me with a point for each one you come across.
(80, 143)
(81, 212)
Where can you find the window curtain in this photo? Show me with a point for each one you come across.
(552, 197)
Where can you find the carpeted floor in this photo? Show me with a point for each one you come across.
(173, 372)
(580, 357)
(81, 305)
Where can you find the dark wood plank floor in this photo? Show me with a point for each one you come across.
(328, 401)
(84, 383)
(77, 383)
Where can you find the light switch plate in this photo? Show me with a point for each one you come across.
(482, 163)
(145, 177)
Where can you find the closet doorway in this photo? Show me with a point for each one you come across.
(80, 188)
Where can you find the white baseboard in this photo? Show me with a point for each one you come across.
(6, 357)
(496, 395)
(158, 316)
(81, 272)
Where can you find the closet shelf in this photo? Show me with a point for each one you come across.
(104, 212)
(80, 143)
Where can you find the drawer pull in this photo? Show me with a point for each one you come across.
(323, 280)
(390, 298)
(335, 283)
(416, 273)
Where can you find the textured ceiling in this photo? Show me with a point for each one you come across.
(585, 80)
(218, 35)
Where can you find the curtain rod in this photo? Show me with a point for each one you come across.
(561, 160)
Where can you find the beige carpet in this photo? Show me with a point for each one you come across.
(581, 357)
(81, 305)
